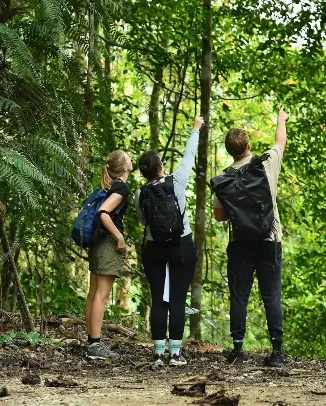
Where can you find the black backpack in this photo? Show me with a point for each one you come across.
(246, 196)
(161, 210)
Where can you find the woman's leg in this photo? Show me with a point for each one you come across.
(103, 289)
(89, 301)
(154, 261)
(182, 270)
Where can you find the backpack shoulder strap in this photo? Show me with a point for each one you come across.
(229, 170)
(141, 195)
(265, 156)
(169, 181)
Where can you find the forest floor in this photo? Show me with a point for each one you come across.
(132, 381)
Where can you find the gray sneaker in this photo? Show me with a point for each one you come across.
(158, 360)
(177, 360)
(100, 351)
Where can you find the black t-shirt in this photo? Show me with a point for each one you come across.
(122, 189)
(100, 231)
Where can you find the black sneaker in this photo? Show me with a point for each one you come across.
(177, 360)
(158, 360)
(276, 359)
(235, 357)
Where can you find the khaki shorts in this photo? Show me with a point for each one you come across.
(104, 259)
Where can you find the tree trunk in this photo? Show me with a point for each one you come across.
(7, 12)
(175, 108)
(41, 294)
(14, 294)
(122, 293)
(5, 9)
(201, 170)
(147, 320)
(108, 83)
(6, 277)
(25, 313)
(154, 121)
(90, 56)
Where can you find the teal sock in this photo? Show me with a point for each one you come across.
(175, 347)
(159, 347)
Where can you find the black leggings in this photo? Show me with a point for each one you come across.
(182, 261)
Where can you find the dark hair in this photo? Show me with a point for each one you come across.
(149, 164)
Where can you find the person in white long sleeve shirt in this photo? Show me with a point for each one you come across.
(169, 267)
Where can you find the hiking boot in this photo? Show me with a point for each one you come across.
(276, 359)
(235, 357)
(158, 360)
(100, 351)
(177, 360)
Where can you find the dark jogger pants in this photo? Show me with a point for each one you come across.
(244, 258)
(182, 261)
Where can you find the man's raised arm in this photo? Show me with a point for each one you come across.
(280, 135)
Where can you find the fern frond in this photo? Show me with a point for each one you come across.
(78, 31)
(112, 5)
(22, 62)
(63, 173)
(8, 105)
(63, 160)
(54, 150)
(24, 166)
(52, 11)
(19, 184)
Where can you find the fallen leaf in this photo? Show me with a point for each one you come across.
(196, 390)
(219, 398)
(60, 382)
(4, 392)
(31, 379)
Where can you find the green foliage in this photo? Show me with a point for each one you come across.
(32, 338)
(21, 59)
(115, 313)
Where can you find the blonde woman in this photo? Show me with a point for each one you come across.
(106, 256)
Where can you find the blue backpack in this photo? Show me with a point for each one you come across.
(84, 225)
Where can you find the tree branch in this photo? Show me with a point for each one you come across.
(145, 50)
(176, 110)
(235, 98)
(118, 45)
(7, 12)
(77, 253)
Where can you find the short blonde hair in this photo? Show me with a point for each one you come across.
(237, 142)
(113, 168)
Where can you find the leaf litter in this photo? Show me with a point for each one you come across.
(301, 381)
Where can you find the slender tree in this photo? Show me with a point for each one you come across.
(201, 170)
(26, 315)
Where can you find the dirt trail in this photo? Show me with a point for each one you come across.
(132, 382)
(132, 390)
